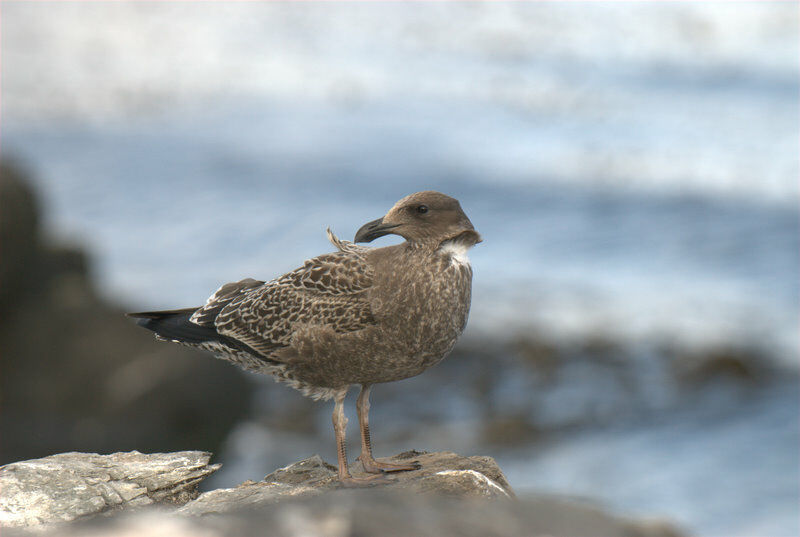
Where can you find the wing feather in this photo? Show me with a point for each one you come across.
(206, 315)
(329, 291)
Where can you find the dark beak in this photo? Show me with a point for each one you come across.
(372, 230)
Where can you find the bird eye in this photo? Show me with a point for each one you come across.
(422, 209)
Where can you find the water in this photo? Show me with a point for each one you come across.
(688, 462)
(701, 269)
(632, 169)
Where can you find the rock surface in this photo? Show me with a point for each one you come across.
(449, 495)
(68, 486)
(380, 513)
(443, 474)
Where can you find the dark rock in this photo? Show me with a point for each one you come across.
(601, 346)
(511, 430)
(78, 375)
(19, 234)
(540, 355)
(738, 364)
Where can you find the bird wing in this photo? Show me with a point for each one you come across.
(329, 290)
(206, 315)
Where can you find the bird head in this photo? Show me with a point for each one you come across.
(427, 217)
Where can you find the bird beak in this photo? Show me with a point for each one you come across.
(372, 230)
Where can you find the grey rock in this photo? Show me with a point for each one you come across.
(383, 512)
(312, 470)
(449, 495)
(444, 474)
(449, 474)
(68, 486)
(401, 513)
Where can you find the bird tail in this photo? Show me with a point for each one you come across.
(175, 325)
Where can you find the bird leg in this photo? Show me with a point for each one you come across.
(339, 427)
(367, 461)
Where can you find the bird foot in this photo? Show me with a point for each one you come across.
(373, 466)
(368, 481)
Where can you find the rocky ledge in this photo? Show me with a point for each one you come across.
(86, 494)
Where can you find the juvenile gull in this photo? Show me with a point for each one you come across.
(359, 315)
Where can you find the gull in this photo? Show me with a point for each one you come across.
(357, 316)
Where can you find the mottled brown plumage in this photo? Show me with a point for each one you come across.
(356, 316)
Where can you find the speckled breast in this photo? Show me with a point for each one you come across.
(423, 308)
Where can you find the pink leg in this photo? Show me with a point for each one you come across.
(339, 427)
(370, 464)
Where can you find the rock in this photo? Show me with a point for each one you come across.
(699, 368)
(388, 513)
(19, 233)
(78, 375)
(307, 477)
(68, 486)
(510, 429)
(449, 474)
(449, 495)
(311, 471)
(540, 355)
(443, 474)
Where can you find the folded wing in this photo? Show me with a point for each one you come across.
(328, 291)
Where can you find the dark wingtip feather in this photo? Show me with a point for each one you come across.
(175, 325)
(160, 314)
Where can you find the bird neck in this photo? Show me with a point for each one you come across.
(463, 240)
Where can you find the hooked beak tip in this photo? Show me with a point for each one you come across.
(372, 230)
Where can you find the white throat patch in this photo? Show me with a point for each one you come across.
(457, 252)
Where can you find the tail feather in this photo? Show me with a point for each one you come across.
(160, 314)
(175, 325)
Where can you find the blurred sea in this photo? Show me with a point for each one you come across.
(633, 170)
